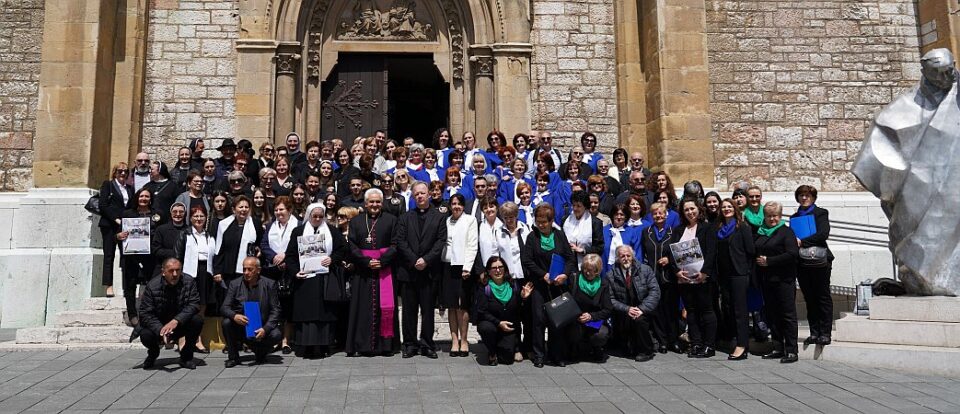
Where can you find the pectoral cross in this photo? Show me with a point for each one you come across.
(370, 239)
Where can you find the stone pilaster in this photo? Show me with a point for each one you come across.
(288, 68)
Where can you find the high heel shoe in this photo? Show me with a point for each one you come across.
(741, 357)
(110, 292)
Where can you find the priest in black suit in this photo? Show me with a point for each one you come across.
(373, 326)
(421, 235)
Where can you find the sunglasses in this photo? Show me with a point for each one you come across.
(637, 160)
(267, 150)
(752, 197)
(236, 181)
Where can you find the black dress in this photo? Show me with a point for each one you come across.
(315, 319)
(364, 332)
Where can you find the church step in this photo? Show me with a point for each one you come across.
(114, 303)
(74, 335)
(861, 329)
(918, 308)
(108, 317)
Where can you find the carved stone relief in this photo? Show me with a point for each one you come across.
(401, 20)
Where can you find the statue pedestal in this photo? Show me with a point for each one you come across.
(914, 334)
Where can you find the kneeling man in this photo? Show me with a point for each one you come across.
(635, 294)
(169, 310)
(251, 288)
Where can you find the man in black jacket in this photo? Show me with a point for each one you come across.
(421, 235)
(635, 293)
(168, 311)
(251, 288)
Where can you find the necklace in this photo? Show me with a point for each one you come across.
(370, 228)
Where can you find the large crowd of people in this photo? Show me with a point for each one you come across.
(553, 257)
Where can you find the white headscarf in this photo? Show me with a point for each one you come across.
(323, 230)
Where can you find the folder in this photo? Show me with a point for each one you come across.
(251, 310)
(803, 226)
(594, 324)
(557, 265)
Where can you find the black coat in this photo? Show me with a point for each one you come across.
(742, 249)
(163, 243)
(161, 303)
(782, 254)
(385, 228)
(821, 218)
(654, 250)
(111, 202)
(492, 310)
(415, 241)
(707, 235)
(308, 304)
(163, 194)
(600, 307)
(268, 298)
(536, 261)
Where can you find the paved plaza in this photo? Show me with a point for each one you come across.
(111, 381)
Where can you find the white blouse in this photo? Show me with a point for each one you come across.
(508, 247)
(488, 239)
(462, 241)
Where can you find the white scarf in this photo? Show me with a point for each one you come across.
(279, 235)
(432, 172)
(579, 231)
(538, 197)
(323, 231)
(528, 212)
(634, 223)
(249, 236)
(123, 192)
(616, 240)
(192, 249)
(406, 194)
(488, 238)
(414, 167)
(453, 190)
(508, 248)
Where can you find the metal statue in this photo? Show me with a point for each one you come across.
(910, 159)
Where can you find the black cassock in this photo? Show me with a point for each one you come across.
(315, 319)
(363, 328)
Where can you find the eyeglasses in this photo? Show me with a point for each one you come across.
(754, 197)
(637, 160)
(577, 153)
(236, 181)
(496, 267)
(240, 164)
(267, 150)
(140, 161)
(196, 182)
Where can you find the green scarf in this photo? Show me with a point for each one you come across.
(589, 287)
(546, 242)
(755, 219)
(767, 231)
(503, 292)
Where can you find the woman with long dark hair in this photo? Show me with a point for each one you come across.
(500, 308)
(137, 268)
(696, 286)
(735, 253)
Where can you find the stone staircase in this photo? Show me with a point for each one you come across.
(99, 326)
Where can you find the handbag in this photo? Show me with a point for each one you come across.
(284, 286)
(561, 311)
(93, 204)
(334, 288)
(814, 256)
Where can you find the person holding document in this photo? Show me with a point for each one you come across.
(260, 331)
(459, 282)
(813, 273)
(536, 257)
(696, 286)
(777, 256)
(421, 237)
(312, 251)
(373, 326)
(590, 333)
(136, 262)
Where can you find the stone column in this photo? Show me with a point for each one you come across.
(512, 86)
(284, 112)
(631, 87)
(255, 73)
(484, 105)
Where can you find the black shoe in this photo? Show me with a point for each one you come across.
(740, 357)
(643, 357)
(559, 364)
(202, 351)
(492, 362)
(773, 355)
(149, 362)
(230, 363)
(824, 340)
(662, 349)
(810, 340)
(429, 353)
(409, 353)
(789, 358)
(538, 362)
(188, 364)
(675, 348)
(695, 351)
(706, 352)
(260, 360)
(286, 349)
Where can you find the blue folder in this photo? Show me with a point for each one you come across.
(252, 311)
(594, 324)
(557, 266)
(803, 226)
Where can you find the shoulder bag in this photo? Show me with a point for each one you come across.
(561, 311)
(814, 256)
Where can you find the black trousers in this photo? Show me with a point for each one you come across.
(420, 295)
(733, 298)
(235, 334)
(190, 331)
(538, 327)
(815, 285)
(498, 343)
(701, 319)
(580, 340)
(136, 269)
(109, 236)
(635, 334)
(780, 306)
(666, 322)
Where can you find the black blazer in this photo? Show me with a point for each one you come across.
(782, 256)
(269, 302)
(596, 245)
(415, 241)
(707, 235)
(821, 218)
(536, 261)
(111, 202)
(654, 250)
(742, 249)
(491, 310)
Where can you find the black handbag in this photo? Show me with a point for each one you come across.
(334, 288)
(561, 311)
(284, 285)
(814, 256)
(93, 204)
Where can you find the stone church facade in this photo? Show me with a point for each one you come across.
(776, 93)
